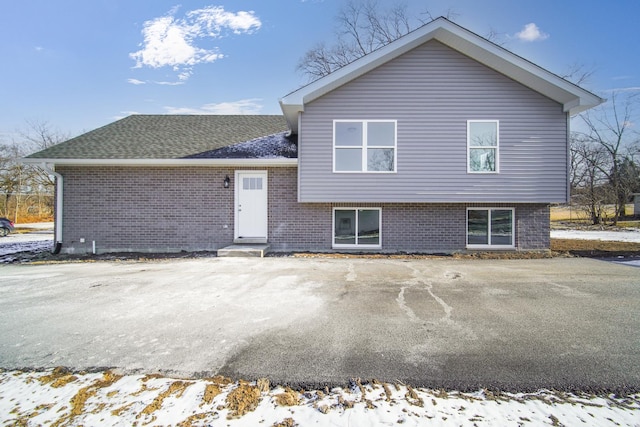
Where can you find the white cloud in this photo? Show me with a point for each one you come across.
(136, 82)
(169, 83)
(531, 33)
(173, 42)
(243, 106)
(624, 89)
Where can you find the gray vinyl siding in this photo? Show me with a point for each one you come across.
(432, 91)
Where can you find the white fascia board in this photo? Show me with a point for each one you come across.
(166, 162)
(573, 98)
(291, 112)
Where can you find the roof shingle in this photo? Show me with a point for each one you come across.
(164, 136)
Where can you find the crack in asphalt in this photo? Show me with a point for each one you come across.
(351, 275)
(427, 286)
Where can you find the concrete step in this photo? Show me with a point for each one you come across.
(244, 250)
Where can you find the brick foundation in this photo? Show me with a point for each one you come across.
(158, 209)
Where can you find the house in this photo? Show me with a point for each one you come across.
(438, 142)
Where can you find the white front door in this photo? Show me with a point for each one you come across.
(251, 205)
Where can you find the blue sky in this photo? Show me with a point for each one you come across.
(80, 64)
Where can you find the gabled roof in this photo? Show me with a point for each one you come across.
(573, 98)
(141, 137)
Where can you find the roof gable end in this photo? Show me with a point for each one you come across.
(573, 98)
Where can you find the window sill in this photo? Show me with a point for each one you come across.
(483, 172)
(492, 247)
(372, 172)
(356, 247)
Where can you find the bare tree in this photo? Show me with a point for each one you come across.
(362, 27)
(609, 133)
(39, 135)
(12, 177)
(496, 37)
(578, 73)
(27, 189)
(588, 183)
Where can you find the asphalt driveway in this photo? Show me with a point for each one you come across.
(461, 324)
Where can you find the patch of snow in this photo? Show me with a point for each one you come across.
(107, 399)
(627, 235)
(630, 263)
(25, 242)
(279, 145)
(36, 225)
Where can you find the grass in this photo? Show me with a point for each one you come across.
(595, 248)
(572, 213)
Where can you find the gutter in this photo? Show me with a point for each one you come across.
(274, 162)
(58, 213)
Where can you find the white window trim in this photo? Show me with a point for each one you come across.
(364, 144)
(497, 146)
(354, 246)
(490, 246)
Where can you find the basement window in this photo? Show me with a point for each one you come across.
(357, 228)
(490, 228)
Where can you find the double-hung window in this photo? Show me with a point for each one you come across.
(353, 227)
(490, 228)
(482, 146)
(364, 145)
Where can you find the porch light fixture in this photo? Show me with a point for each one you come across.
(226, 181)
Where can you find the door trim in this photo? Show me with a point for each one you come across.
(237, 179)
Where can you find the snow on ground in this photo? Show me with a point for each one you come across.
(24, 242)
(626, 235)
(107, 399)
(623, 261)
(36, 225)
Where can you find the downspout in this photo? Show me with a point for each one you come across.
(57, 244)
(568, 189)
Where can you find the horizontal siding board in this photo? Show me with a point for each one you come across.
(432, 91)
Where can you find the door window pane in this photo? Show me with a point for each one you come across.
(345, 227)
(478, 227)
(368, 227)
(251, 183)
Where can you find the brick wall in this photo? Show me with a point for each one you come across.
(146, 209)
(293, 225)
(158, 209)
(532, 226)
